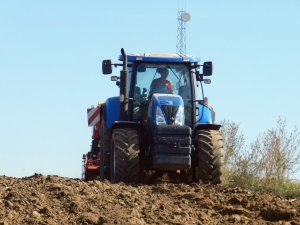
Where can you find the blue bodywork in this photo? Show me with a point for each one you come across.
(112, 111)
(204, 114)
(159, 100)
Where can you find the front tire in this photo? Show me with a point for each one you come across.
(209, 154)
(125, 150)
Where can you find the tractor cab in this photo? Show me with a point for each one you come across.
(162, 78)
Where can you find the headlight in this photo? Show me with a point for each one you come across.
(160, 118)
(179, 119)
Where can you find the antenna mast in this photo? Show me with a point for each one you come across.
(183, 17)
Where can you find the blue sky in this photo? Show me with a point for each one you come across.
(51, 52)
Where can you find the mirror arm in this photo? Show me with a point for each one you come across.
(199, 76)
(117, 64)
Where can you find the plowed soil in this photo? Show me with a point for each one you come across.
(56, 200)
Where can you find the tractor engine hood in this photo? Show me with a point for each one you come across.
(166, 109)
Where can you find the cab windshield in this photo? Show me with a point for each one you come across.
(170, 78)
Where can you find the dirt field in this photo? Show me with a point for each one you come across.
(57, 200)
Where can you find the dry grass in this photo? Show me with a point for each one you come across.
(269, 162)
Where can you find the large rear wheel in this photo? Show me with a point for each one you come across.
(209, 155)
(104, 151)
(125, 149)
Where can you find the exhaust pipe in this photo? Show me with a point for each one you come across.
(124, 89)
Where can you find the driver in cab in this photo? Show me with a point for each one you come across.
(161, 85)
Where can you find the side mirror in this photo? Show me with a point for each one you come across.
(207, 69)
(106, 66)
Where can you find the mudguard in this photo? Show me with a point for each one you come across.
(207, 126)
(126, 124)
(205, 119)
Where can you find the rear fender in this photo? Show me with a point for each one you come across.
(207, 126)
(126, 124)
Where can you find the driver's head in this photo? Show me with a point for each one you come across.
(164, 72)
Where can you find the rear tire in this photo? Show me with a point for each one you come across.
(104, 151)
(125, 160)
(209, 154)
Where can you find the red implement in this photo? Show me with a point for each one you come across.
(91, 160)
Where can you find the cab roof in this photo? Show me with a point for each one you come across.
(160, 57)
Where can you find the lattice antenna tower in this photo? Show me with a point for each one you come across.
(183, 17)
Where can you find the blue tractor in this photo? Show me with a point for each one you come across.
(158, 123)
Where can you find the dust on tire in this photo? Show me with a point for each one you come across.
(125, 162)
(210, 153)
